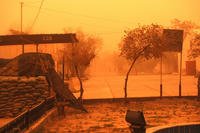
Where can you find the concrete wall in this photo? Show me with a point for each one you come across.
(18, 94)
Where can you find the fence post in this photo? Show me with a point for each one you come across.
(27, 122)
(45, 105)
(198, 87)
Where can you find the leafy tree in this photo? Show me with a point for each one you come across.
(79, 56)
(142, 42)
(188, 26)
(194, 50)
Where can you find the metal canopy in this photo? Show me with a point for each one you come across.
(37, 39)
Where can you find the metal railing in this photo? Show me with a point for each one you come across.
(181, 129)
(28, 117)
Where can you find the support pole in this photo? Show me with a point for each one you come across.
(63, 68)
(180, 74)
(21, 3)
(37, 48)
(161, 86)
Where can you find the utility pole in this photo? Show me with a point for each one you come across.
(180, 74)
(21, 3)
(161, 75)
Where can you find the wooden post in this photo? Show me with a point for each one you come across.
(61, 109)
(37, 46)
(63, 68)
(63, 71)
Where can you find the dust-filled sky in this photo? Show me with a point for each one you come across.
(105, 18)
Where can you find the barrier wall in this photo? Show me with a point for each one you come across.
(18, 94)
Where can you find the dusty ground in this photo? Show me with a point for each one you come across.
(110, 116)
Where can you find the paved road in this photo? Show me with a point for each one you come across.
(138, 86)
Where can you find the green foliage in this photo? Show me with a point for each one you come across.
(143, 41)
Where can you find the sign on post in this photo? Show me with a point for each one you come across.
(172, 40)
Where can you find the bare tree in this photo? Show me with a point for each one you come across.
(79, 56)
(142, 42)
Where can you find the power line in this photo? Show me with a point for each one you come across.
(97, 26)
(82, 15)
(37, 15)
(33, 2)
(72, 14)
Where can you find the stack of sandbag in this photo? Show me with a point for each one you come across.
(27, 64)
(19, 93)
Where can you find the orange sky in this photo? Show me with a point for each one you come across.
(105, 18)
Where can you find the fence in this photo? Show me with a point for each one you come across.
(181, 129)
(28, 117)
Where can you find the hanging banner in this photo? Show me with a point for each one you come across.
(172, 40)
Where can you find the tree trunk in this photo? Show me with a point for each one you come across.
(127, 75)
(74, 62)
(126, 80)
(80, 82)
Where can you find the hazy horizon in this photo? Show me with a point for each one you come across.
(105, 19)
